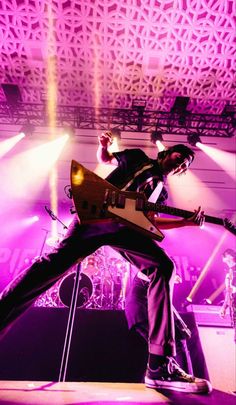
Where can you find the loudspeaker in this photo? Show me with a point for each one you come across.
(198, 360)
(208, 315)
(220, 354)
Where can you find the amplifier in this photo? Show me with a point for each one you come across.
(208, 315)
(219, 352)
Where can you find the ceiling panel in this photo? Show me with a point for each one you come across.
(107, 53)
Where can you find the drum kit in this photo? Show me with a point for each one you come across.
(102, 284)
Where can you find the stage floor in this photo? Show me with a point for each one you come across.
(69, 393)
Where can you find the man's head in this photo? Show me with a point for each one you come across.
(176, 159)
(229, 257)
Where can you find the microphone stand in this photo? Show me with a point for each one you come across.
(44, 241)
(54, 217)
(57, 219)
(71, 316)
(69, 328)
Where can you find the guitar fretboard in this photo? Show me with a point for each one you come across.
(180, 213)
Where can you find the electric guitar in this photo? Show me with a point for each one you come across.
(97, 200)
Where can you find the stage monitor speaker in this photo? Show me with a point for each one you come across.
(220, 354)
(208, 315)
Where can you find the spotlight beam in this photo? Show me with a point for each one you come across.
(215, 294)
(8, 144)
(206, 268)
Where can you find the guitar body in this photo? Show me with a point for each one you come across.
(96, 200)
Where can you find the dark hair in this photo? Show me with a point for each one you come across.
(185, 151)
(230, 252)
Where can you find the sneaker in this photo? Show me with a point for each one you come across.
(170, 376)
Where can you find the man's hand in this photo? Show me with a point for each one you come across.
(197, 218)
(103, 154)
(222, 312)
(105, 139)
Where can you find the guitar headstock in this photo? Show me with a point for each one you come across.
(229, 226)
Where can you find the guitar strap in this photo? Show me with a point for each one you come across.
(156, 192)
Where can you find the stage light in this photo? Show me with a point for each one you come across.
(156, 136)
(139, 104)
(29, 220)
(229, 110)
(27, 129)
(180, 108)
(116, 133)
(193, 139)
(12, 93)
(189, 299)
(215, 294)
(69, 131)
(35, 218)
(180, 104)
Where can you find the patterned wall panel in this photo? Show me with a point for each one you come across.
(106, 53)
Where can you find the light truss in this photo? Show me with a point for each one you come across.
(128, 120)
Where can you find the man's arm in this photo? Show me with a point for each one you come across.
(228, 296)
(103, 154)
(197, 219)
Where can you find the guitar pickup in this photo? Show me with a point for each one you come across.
(106, 198)
(139, 206)
(120, 203)
(113, 199)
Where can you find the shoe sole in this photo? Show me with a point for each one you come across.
(191, 388)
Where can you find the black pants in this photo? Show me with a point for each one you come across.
(136, 312)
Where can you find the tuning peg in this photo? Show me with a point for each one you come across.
(230, 226)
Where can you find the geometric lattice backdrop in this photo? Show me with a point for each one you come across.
(108, 52)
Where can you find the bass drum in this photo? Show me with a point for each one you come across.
(84, 293)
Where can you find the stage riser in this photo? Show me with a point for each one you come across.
(102, 349)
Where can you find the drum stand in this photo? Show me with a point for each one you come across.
(69, 329)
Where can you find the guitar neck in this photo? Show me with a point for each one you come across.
(180, 213)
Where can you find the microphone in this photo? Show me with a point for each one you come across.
(53, 216)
